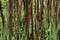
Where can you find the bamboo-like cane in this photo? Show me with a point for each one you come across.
(48, 16)
(48, 11)
(31, 12)
(56, 12)
(38, 18)
(56, 16)
(27, 18)
(18, 18)
(10, 18)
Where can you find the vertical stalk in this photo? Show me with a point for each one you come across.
(56, 15)
(2, 16)
(38, 19)
(49, 16)
(18, 18)
(31, 12)
(48, 10)
(27, 18)
(2, 22)
(56, 12)
(10, 18)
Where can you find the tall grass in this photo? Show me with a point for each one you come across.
(30, 20)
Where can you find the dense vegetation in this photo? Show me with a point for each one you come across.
(29, 19)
